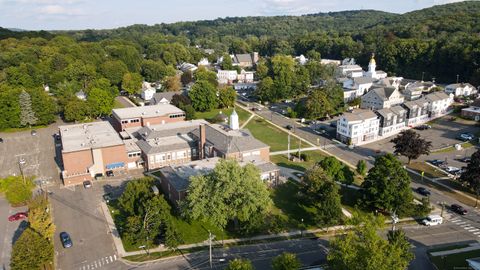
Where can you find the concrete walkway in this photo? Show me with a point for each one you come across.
(117, 241)
(248, 120)
(455, 251)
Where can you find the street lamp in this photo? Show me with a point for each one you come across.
(443, 207)
(301, 229)
(22, 162)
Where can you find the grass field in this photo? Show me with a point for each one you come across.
(454, 261)
(313, 158)
(271, 135)
(209, 116)
(429, 170)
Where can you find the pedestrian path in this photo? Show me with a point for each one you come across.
(98, 263)
(466, 225)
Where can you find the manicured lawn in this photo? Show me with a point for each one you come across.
(313, 158)
(271, 135)
(429, 170)
(454, 261)
(12, 130)
(209, 116)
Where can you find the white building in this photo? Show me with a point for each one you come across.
(372, 72)
(245, 76)
(330, 61)
(356, 87)
(226, 76)
(148, 90)
(302, 60)
(381, 97)
(439, 104)
(184, 67)
(351, 71)
(460, 89)
(417, 112)
(358, 127)
(203, 62)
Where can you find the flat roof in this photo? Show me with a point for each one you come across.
(146, 111)
(87, 136)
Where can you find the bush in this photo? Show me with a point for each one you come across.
(304, 157)
(362, 167)
(16, 190)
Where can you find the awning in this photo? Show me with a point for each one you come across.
(115, 165)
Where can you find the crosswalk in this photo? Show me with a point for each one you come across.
(466, 226)
(98, 263)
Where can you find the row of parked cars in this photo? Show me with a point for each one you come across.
(442, 164)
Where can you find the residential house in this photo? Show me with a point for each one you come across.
(356, 87)
(461, 89)
(226, 76)
(245, 60)
(146, 115)
(184, 67)
(164, 97)
(380, 98)
(358, 127)
(472, 112)
(392, 120)
(349, 70)
(330, 61)
(417, 112)
(148, 90)
(439, 104)
(302, 60)
(245, 76)
(203, 62)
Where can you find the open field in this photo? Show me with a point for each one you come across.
(271, 135)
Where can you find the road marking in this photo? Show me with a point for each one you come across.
(465, 225)
(111, 258)
(456, 220)
(474, 230)
(463, 222)
(468, 228)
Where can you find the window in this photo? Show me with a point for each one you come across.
(124, 121)
(134, 120)
(135, 154)
(177, 115)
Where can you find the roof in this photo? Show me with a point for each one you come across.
(359, 115)
(397, 110)
(363, 80)
(170, 129)
(243, 58)
(146, 111)
(459, 85)
(157, 97)
(475, 103)
(166, 144)
(88, 136)
(436, 96)
(384, 92)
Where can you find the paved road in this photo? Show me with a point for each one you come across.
(9, 231)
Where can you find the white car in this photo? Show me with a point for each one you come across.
(452, 169)
(432, 220)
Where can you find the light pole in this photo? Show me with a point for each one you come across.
(22, 162)
(443, 207)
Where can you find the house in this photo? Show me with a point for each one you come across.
(245, 60)
(358, 127)
(472, 112)
(394, 82)
(356, 87)
(372, 72)
(302, 60)
(349, 70)
(381, 97)
(81, 95)
(439, 104)
(184, 67)
(330, 61)
(226, 76)
(392, 120)
(417, 112)
(175, 179)
(203, 62)
(164, 97)
(90, 149)
(460, 89)
(146, 115)
(148, 90)
(245, 86)
(245, 76)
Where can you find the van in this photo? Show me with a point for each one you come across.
(432, 220)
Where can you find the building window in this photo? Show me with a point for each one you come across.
(124, 121)
(177, 115)
(136, 154)
(134, 120)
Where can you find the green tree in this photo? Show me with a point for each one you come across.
(363, 249)
(262, 69)
(39, 217)
(229, 192)
(409, 144)
(387, 186)
(227, 62)
(286, 261)
(322, 195)
(203, 74)
(187, 77)
(226, 97)
(17, 190)
(100, 102)
(265, 90)
(172, 83)
(135, 195)
(471, 175)
(132, 82)
(76, 110)
(203, 96)
(283, 68)
(154, 71)
(318, 105)
(27, 117)
(31, 251)
(239, 264)
(43, 106)
(113, 70)
(362, 167)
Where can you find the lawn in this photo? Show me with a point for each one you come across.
(454, 261)
(271, 135)
(209, 116)
(430, 172)
(313, 158)
(117, 104)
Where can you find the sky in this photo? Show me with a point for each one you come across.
(104, 14)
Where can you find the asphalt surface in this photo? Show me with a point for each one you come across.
(9, 231)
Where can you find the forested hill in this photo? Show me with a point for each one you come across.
(6, 33)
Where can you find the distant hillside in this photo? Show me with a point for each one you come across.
(6, 33)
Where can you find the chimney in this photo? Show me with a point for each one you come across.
(201, 142)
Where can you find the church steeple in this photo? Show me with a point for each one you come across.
(372, 65)
(234, 124)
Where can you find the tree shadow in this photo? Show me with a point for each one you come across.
(21, 227)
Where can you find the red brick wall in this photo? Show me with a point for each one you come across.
(114, 154)
(76, 180)
(158, 120)
(77, 162)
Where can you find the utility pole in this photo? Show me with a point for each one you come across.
(457, 77)
(300, 149)
(288, 146)
(423, 73)
(210, 247)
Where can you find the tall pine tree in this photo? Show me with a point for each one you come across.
(27, 115)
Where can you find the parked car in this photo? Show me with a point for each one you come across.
(289, 127)
(423, 127)
(18, 216)
(458, 209)
(451, 169)
(436, 162)
(465, 137)
(87, 184)
(1, 140)
(33, 132)
(432, 220)
(109, 173)
(98, 176)
(66, 240)
(465, 159)
(423, 191)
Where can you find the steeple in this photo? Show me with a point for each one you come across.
(372, 65)
(234, 124)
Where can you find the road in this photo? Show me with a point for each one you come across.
(10, 231)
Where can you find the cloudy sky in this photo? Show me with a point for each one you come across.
(100, 14)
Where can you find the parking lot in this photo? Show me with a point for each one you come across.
(9, 231)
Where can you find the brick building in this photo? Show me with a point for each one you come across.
(146, 116)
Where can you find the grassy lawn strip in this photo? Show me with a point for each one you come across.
(243, 115)
(271, 135)
(429, 170)
(313, 158)
(12, 130)
(118, 105)
(454, 261)
(456, 185)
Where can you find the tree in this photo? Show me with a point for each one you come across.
(31, 251)
(27, 116)
(226, 97)
(409, 144)
(43, 105)
(318, 105)
(135, 195)
(322, 195)
(17, 190)
(286, 261)
(363, 249)
(262, 69)
(154, 71)
(132, 82)
(39, 217)
(100, 102)
(76, 110)
(189, 112)
(265, 90)
(283, 68)
(114, 70)
(172, 84)
(229, 193)
(362, 167)
(203, 74)
(227, 62)
(387, 186)
(187, 77)
(203, 96)
(239, 264)
(471, 175)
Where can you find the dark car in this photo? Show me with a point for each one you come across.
(423, 191)
(289, 127)
(66, 240)
(423, 127)
(87, 184)
(458, 209)
(18, 216)
(465, 159)
(437, 162)
(109, 173)
(1, 140)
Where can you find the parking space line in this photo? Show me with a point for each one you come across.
(476, 233)
(469, 227)
(474, 230)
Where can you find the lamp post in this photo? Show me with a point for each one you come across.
(301, 229)
(21, 162)
(443, 207)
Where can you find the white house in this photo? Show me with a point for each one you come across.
(439, 104)
(226, 76)
(184, 67)
(381, 97)
(351, 71)
(392, 120)
(358, 127)
(147, 91)
(460, 89)
(372, 72)
(245, 76)
(203, 62)
(356, 87)
(302, 60)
